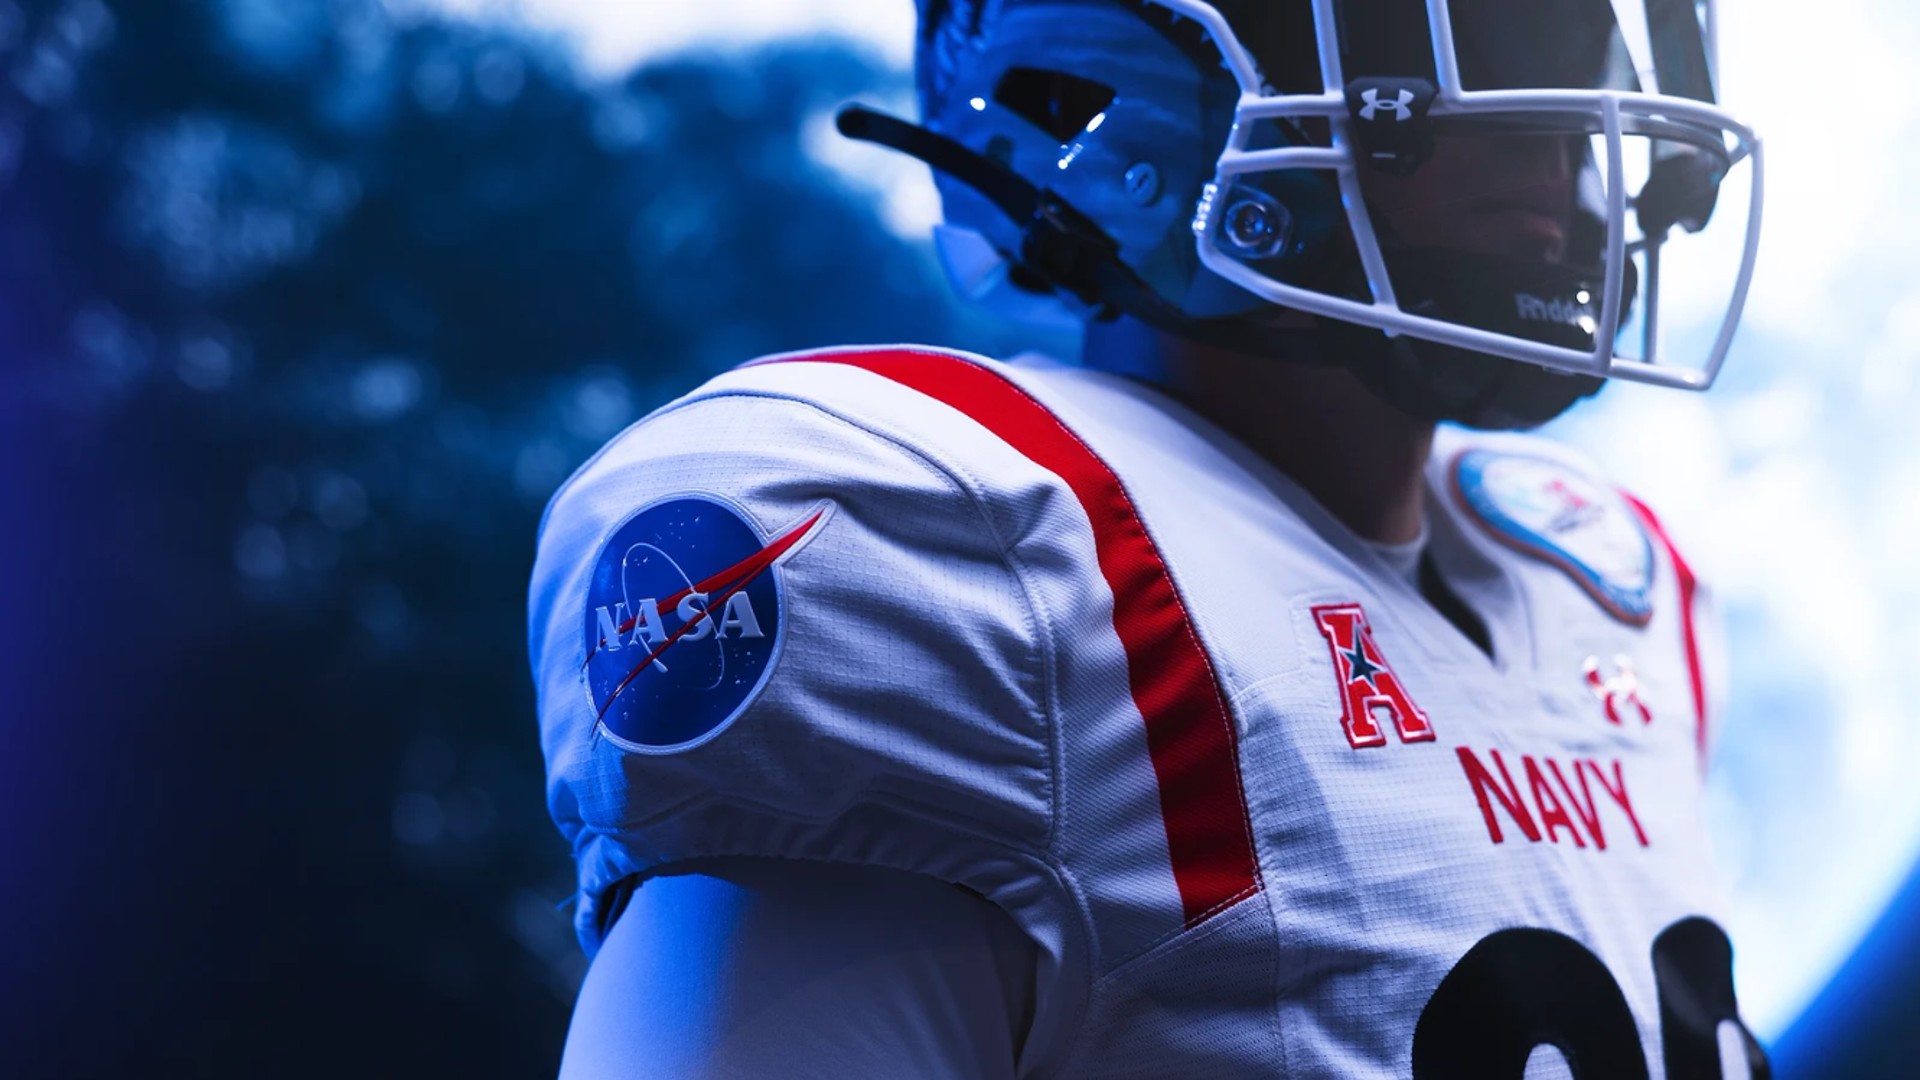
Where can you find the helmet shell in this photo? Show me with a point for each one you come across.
(1135, 164)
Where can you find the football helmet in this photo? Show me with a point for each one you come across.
(1478, 202)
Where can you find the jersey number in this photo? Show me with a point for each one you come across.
(1518, 989)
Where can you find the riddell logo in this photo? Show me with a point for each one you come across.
(1556, 310)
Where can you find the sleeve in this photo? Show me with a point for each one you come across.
(764, 968)
(759, 629)
(1704, 645)
(1702, 634)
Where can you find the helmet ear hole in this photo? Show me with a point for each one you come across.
(1057, 102)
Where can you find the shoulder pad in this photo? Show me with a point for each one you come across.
(761, 628)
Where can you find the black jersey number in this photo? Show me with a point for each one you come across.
(1518, 989)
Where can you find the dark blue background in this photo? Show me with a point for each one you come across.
(303, 313)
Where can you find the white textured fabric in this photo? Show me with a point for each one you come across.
(954, 699)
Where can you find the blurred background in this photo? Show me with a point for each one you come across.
(306, 306)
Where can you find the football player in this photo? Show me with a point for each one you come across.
(1203, 708)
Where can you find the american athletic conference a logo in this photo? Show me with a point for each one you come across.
(684, 620)
(1371, 695)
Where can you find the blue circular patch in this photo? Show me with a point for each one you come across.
(683, 622)
(1545, 509)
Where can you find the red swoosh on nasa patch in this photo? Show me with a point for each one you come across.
(733, 578)
(751, 565)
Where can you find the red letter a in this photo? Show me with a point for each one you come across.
(1369, 690)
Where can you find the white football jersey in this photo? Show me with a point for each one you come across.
(1263, 809)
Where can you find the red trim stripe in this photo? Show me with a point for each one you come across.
(1684, 575)
(1190, 734)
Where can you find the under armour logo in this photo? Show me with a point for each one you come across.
(1619, 692)
(1401, 105)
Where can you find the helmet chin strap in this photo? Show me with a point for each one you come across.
(1553, 304)
(1437, 382)
(1068, 252)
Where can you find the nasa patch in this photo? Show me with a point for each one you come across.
(1542, 508)
(684, 618)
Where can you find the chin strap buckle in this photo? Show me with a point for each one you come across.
(1390, 122)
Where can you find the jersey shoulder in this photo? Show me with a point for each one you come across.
(1551, 509)
(782, 617)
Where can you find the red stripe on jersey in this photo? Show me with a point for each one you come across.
(1190, 734)
(1684, 574)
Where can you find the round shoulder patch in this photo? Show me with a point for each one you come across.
(683, 623)
(1543, 508)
